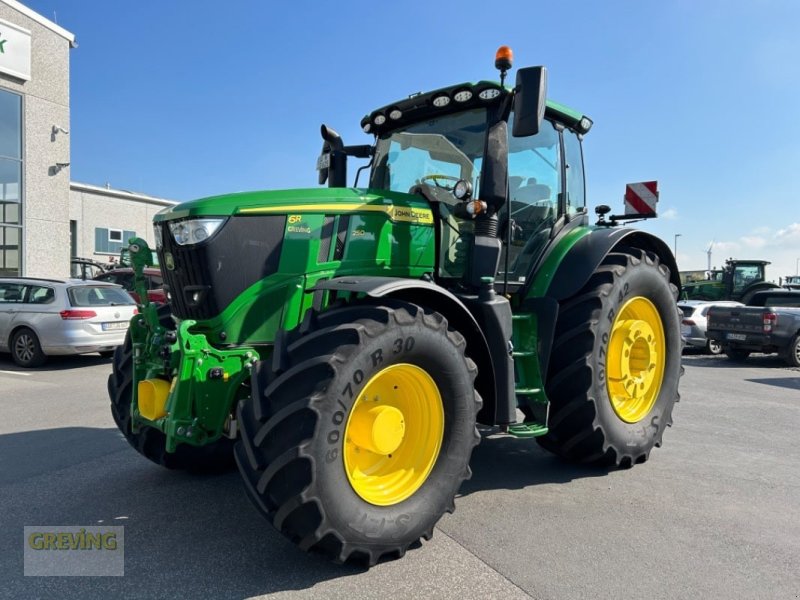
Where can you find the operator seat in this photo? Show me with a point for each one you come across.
(524, 200)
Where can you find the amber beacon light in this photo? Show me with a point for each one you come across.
(503, 60)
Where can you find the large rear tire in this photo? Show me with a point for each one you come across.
(616, 362)
(359, 434)
(215, 457)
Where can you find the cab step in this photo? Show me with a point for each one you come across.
(527, 391)
(527, 430)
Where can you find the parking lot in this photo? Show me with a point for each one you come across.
(715, 513)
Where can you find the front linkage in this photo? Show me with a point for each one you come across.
(182, 386)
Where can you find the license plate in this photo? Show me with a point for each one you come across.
(115, 326)
(739, 337)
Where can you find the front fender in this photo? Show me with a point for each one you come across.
(435, 297)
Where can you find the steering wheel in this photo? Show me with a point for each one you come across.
(435, 177)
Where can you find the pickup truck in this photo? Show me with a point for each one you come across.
(769, 323)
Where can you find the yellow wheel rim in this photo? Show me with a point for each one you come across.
(393, 434)
(636, 359)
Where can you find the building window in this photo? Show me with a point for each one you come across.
(111, 241)
(10, 183)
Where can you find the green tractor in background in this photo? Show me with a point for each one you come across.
(791, 281)
(343, 344)
(738, 281)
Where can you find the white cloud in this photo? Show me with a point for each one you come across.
(761, 230)
(725, 247)
(789, 236)
(754, 241)
(670, 214)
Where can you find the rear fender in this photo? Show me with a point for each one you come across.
(578, 265)
(586, 255)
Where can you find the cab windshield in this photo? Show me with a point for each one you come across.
(437, 152)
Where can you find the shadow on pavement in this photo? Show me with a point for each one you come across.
(186, 536)
(505, 462)
(723, 362)
(56, 363)
(792, 383)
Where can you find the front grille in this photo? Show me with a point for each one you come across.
(203, 279)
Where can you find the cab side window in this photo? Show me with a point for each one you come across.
(576, 185)
(534, 175)
(534, 188)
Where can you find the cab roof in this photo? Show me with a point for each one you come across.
(443, 101)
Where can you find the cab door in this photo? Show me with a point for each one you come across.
(535, 186)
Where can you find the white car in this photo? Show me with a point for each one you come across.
(695, 323)
(44, 317)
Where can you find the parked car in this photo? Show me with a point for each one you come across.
(45, 317)
(769, 323)
(693, 326)
(124, 277)
(85, 268)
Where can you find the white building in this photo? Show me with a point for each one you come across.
(102, 219)
(44, 218)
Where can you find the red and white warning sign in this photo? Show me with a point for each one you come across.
(641, 198)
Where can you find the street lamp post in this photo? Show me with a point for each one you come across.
(797, 267)
(675, 245)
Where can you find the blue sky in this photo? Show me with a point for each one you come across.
(189, 99)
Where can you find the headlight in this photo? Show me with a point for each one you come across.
(489, 94)
(157, 234)
(462, 189)
(194, 231)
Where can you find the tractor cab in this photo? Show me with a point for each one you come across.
(739, 275)
(501, 168)
(737, 280)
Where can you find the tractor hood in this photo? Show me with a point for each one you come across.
(397, 206)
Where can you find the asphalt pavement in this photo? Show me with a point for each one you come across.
(715, 513)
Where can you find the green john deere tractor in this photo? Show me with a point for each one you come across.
(739, 280)
(342, 344)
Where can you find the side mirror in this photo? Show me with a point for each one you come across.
(332, 163)
(530, 98)
(324, 162)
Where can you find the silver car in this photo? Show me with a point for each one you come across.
(695, 323)
(44, 317)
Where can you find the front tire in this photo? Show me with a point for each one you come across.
(357, 438)
(616, 362)
(215, 457)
